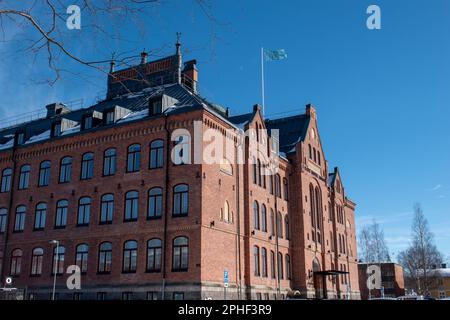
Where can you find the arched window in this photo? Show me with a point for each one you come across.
(44, 173)
(272, 222)
(310, 151)
(255, 171)
(105, 257)
(134, 158)
(318, 158)
(315, 154)
(19, 223)
(280, 266)
(107, 208)
(263, 218)
(272, 264)
(180, 200)
(278, 185)
(256, 215)
(279, 225)
(87, 166)
(6, 180)
(285, 189)
(24, 178)
(58, 259)
(16, 262)
(312, 212)
(81, 258)
(61, 213)
(286, 227)
(182, 152)
(154, 248)
(156, 154)
(270, 178)
(65, 170)
(40, 215)
(3, 216)
(180, 254)
(288, 266)
(131, 206)
(84, 211)
(129, 256)
(256, 260)
(155, 203)
(226, 213)
(259, 173)
(264, 262)
(109, 162)
(36, 261)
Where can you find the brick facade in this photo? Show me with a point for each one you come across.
(219, 225)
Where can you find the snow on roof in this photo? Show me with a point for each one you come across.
(134, 116)
(39, 137)
(7, 145)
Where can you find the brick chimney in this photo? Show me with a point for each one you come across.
(190, 75)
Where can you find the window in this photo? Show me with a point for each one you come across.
(107, 209)
(270, 178)
(129, 256)
(278, 186)
(256, 260)
(259, 173)
(84, 211)
(288, 266)
(157, 154)
(182, 153)
(272, 222)
(131, 205)
(154, 255)
(181, 200)
(105, 257)
(87, 122)
(226, 214)
(16, 262)
(56, 132)
(310, 151)
(109, 162)
(109, 117)
(44, 174)
(6, 180)
(101, 296)
(156, 107)
(3, 217)
(58, 259)
(39, 219)
(87, 166)
(279, 225)
(19, 222)
(286, 227)
(61, 213)
(24, 177)
(256, 215)
(20, 138)
(280, 266)
(134, 158)
(285, 189)
(36, 261)
(255, 172)
(178, 296)
(272, 264)
(127, 295)
(81, 258)
(155, 203)
(152, 295)
(180, 254)
(65, 171)
(263, 218)
(264, 262)
(318, 158)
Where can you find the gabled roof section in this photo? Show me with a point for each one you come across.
(242, 120)
(292, 130)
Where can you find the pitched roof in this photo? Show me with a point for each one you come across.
(292, 130)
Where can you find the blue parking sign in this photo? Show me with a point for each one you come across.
(225, 278)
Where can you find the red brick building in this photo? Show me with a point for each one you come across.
(100, 181)
(392, 281)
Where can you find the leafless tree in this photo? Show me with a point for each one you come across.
(422, 254)
(41, 25)
(373, 247)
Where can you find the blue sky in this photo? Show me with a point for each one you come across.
(382, 96)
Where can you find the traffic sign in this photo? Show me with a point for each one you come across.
(225, 278)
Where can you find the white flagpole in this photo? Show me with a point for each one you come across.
(262, 79)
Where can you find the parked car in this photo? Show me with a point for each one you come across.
(411, 297)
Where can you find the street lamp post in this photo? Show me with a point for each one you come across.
(55, 266)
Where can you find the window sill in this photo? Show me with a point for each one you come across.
(83, 225)
(179, 215)
(59, 227)
(154, 218)
(128, 272)
(38, 229)
(179, 270)
(105, 223)
(130, 220)
(102, 273)
(153, 271)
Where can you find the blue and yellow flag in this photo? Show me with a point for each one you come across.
(271, 55)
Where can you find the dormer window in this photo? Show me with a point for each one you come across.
(56, 130)
(20, 138)
(109, 117)
(87, 122)
(156, 107)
